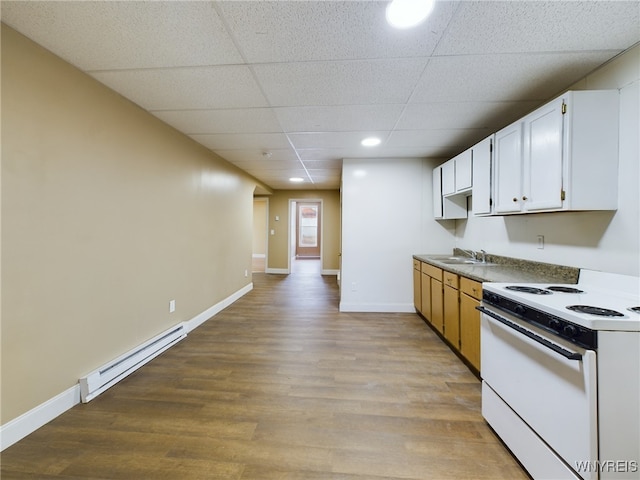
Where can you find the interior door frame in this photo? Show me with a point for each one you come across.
(266, 230)
(290, 251)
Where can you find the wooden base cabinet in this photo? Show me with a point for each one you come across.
(417, 285)
(425, 294)
(431, 274)
(451, 309)
(470, 296)
(437, 305)
(432, 296)
(448, 302)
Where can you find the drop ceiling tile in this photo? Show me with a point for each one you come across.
(268, 164)
(242, 141)
(526, 26)
(454, 138)
(247, 120)
(330, 163)
(338, 118)
(418, 151)
(325, 173)
(270, 175)
(186, 88)
(334, 139)
(258, 155)
(328, 30)
(362, 82)
(506, 77)
(438, 115)
(120, 35)
(327, 154)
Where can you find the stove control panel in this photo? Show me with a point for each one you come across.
(569, 331)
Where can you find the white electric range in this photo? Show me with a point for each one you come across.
(561, 374)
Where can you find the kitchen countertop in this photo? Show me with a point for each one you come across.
(505, 269)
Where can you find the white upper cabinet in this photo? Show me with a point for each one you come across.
(448, 177)
(437, 192)
(482, 161)
(456, 174)
(508, 169)
(463, 164)
(446, 207)
(562, 156)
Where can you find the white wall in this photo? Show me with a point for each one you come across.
(607, 241)
(387, 216)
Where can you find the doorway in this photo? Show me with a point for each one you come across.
(260, 237)
(307, 230)
(305, 235)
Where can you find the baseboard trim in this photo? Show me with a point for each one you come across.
(278, 271)
(202, 317)
(377, 307)
(30, 421)
(330, 272)
(27, 423)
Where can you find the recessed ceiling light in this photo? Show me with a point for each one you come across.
(296, 179)
(370, 142)
(408, 13)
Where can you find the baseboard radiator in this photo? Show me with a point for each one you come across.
(108, 375)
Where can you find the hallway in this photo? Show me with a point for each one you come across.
(280, 385)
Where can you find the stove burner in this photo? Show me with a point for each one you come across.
(634, 309)
(565, 289)
(525, 289)
(602, 312)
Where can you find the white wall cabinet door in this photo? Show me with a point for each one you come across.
(508, 169)
(449, 177)
(542, 159)
(437, 192)
(482, 153)
(463, 165)
(449, 207)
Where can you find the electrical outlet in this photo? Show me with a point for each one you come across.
(172, 306)
(540, 242)
(246, 273)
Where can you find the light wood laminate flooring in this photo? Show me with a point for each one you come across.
(280, 385)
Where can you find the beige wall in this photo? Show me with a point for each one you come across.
(107, 215)
(279, 243)
(260, 205)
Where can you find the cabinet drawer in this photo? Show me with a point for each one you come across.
(416, 264)
(432, 271)
(451, 279)
(471, 287)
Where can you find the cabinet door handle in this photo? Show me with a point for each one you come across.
(524, 198)
(515, 199)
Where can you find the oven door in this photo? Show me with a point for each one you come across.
(547, 384)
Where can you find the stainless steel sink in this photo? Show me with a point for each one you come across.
(463, 261)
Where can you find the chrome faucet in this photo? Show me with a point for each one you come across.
(471, 253)
(483, 256)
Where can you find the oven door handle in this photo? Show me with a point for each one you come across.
(536, 338)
